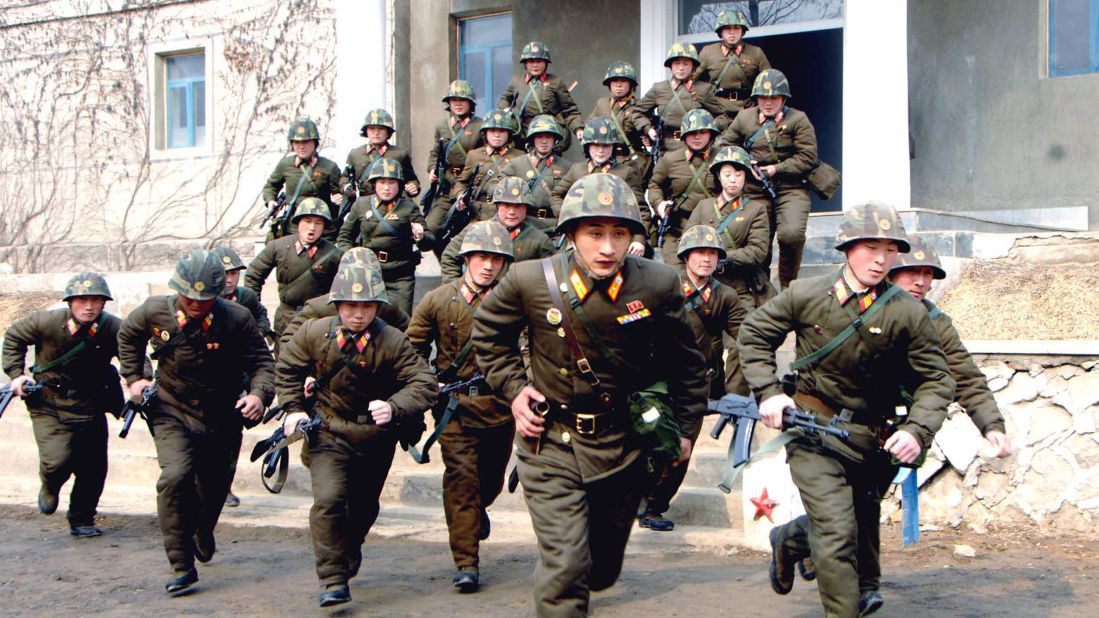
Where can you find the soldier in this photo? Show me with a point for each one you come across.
(582, 471)
(73, 348)
(600, 140)
(852, 382)
(304, 264)
(513, 204)
(681, 179)
(370, 388)
(393, 228)
(783, 143)
(378, 128)
(731, 65)
(204, 346)
(669, 101)
(457, 136)
(714, 310)
(477, 428)
(537, 92)
(541, 169)
(303, 174)
(621, 82)
(484, 166)
(743, 226)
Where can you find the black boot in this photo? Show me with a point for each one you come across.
(781, 571)
(486, 526)
(870, 603)
(204, 546)
(181, 582)
(334, 594)
(47, 500)
(467, 580)
(84, 532)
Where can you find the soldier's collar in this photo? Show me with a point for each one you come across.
(471, 291)
(737, 202)
(542, 78)
(725, 49)
(626, 100)
(311, 160)
(537, 158)
(460, 121)
(676, 83)
(690, 286)
(606, 165)
(844, 290)
(381, 149)
(690, 154)
(583, 281)
(490, 151)
(74, 326)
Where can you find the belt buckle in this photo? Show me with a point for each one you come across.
(540, 213)
(474, 391)
(846, 415)
(585, 424)
(383, 256)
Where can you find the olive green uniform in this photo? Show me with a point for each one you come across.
(792, 147)
(386, 228)
(68, 415)
(673, 99)
(746, 238)
(322, 180)
(745, 61)
(320, 308)
(461, 137)
(583, 485)
(349, 456)
(195, 426)
(528, 97)
(543, 176)
(247, 298)
(617, 166)
(841, 481)
(484, 168)
(530, 244)
(301, 273)
(684, 177)
(361, 157)
(621, 112)
(476, 444)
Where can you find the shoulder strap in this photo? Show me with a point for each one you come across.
(696, 176)
(68, 356)
(566, 324)
(729, 62)
(721, 227)
(381, 220)
(846, 333)
(454, 136)
(536, 181)
(577, 307)
(301, 181)
(770, 122)
(935, 313)
(311, 271)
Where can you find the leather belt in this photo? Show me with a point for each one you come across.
(586, 424)
(827, 412)
(543, 213)
(732, 94)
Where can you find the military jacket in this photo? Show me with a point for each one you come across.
(530, 243)
(906, 353)
(621, 112)
(392, 240)
(75, 389)
(361, 157)
(746, 61)
(640, 317)
(387, 368)
(247, 298)
(483, 170)
(673, 175)
(616, 166)
(201, 377)
(713, 310)
(301, 274)
(445, 317)
(673, 105)
(972, 387)
(746, 239)
(319, 307)
(542, 180)
(468, 132)
(546, 94)
(322, 182)
(791, 147)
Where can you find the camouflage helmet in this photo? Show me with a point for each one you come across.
(302, 130)
(500, 119)
(700, 237)
(535, 50)
(312, 207)
(771, 83)
(874, 220)
(698, 119)
(230, 259)
(544, 123)
(488, 237)
(731, 155)
(379, 118)
(359, 278)
(601, 130)
(512, 190)
(620, 70)
(681, 50)
(87, 284)
(199, 275)
(726, 19)
(460, 89)
(599, 196)
(921, 254)
(383, 167)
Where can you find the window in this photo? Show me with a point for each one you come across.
(484, 56)
(185, 100)
(699, 16)
(1073, 37)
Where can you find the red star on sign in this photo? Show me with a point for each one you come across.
(764, 506)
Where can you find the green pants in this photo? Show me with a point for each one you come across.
(435, 218)
(72, 449)
(475, 459)
(789, 213)
(401, 291)
(666, 481)
(347, 482)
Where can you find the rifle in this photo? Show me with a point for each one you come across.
(6, 394)
(658, 143)
(131, 409)
(439, 185)
(767, 186)
(351, 195)
(276, 453)
(274, 212)
(662, 227)
(456, 219)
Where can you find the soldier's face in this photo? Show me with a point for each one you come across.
(870, 260)
(356, 315)
(698, 140)
(682, 68)
(86, 309)
(731, 178)
(304, 150)
(460, 107)
(310, 228)
(511, 215)
(601, 244)
(543, 143)
(536, 67)
(916, 280)
(770, 105)
(619, 87)
(386, 188)
(484, 268)
(600, 153)
(731, 35)
(232, 278)
(702, 262)
(195, 308)
(377, 135)
(496, 137)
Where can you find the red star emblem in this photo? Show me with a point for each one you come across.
(764, 506)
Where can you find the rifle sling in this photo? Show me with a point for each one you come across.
(729, 61)
(382, 220)
(566, 324)
(857, 322)
(69, 355)
(311, 271)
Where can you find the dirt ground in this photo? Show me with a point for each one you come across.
(269, 571)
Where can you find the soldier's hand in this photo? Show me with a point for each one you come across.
(527, 423)
(999, 441)
(272, 203)
(652, 134)
(290, 423)
(381, 411)
(337, 199)
(310, 384)
(769, 170)
(580, 134)
(412, 188)
(685, 447)
(770, 411)
(137, 387)
(432, 176)
(646, 142)
(417, 231)
(250, 406)
(904, 446)
(636, 249)
(17, 385)
(662, 208)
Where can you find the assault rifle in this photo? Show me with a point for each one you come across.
(131, 410)
(6, 394)
(444, 411)
(767, 186)
(457, 219)
(439, 184)
(658, 143)
(276, 453)
(274, 214)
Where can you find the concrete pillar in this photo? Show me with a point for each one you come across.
(875, 103)
(361, 33)
(657, 33)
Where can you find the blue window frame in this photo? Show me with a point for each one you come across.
(484, 56)
(185, 100)
(1073, 37)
